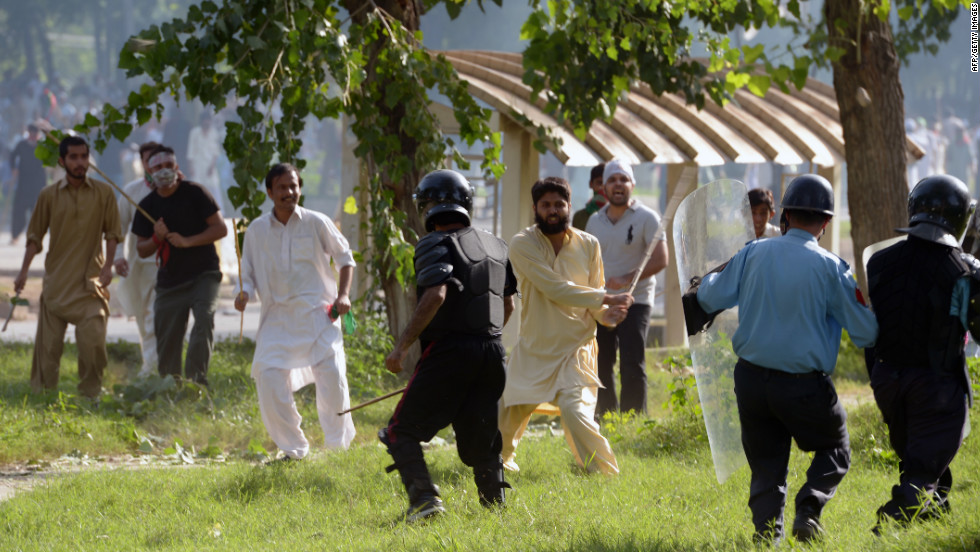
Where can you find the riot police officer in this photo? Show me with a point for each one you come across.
(921, 289)
(465, 289)
(794, 297)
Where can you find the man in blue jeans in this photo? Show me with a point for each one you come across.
(793, 298)
(188, 222)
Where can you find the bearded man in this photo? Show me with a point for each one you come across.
(560, 278)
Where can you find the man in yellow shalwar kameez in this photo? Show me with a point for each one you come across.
(560, 277)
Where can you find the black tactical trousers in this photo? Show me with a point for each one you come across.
(458, 381)
(926, 415)
(774, 408)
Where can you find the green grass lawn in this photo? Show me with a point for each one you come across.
(219, 497)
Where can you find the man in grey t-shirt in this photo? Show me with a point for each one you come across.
(625, 228)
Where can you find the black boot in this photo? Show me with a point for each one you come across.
(423, 495)
(423, 499)
(490, 484)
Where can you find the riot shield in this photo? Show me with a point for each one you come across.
(878, 246)
(971, 238)
(711, 225)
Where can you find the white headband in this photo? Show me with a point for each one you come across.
(161, 158)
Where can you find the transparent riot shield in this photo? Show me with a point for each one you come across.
(711, 225)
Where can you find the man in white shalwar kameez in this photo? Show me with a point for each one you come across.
(137, 288)
(286, 260)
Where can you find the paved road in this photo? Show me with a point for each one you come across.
(226, 320)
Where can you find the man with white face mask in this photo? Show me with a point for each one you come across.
(188, 223)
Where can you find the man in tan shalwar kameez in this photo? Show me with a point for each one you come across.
(560, 277)
(78, 212)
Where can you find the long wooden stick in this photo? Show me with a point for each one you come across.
(238, 253)
(372, 401)
(688, 175)
(118, 189)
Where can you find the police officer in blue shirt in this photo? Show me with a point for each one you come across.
(794, 297)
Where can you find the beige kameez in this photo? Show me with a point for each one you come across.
(555, 358)
(78, 220)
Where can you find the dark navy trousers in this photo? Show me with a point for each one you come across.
(774, 408)
(926, 415)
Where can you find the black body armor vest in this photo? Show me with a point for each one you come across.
(911, 287)
(476, 264)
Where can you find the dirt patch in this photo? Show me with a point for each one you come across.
(18, 478)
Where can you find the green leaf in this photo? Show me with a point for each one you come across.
(781, 73)
(759, 84)
(882, 10)
(47, 151)
(237, 196)
(799, 77)
(834, 53)
(752, 53)
(255, 43)
(738, 80)
(143, 115)
(120, 130)
(350, 205)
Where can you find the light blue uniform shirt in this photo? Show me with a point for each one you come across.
(794, 297)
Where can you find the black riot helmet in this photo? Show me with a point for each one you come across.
(940, 207)
(809, 192)
(444, 191)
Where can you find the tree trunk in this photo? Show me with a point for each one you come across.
(400, 299)
(871, 102)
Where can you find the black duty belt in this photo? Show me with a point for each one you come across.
(773, 373)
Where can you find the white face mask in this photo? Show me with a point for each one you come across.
(164, 178)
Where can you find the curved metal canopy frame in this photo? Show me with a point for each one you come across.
(801, 127)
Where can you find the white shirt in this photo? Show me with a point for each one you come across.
(137, 190)
(289, 266)
(771, 231)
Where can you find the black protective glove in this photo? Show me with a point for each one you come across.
(695, 317)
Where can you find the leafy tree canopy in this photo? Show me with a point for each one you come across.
(584, 55)
(281, 62)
